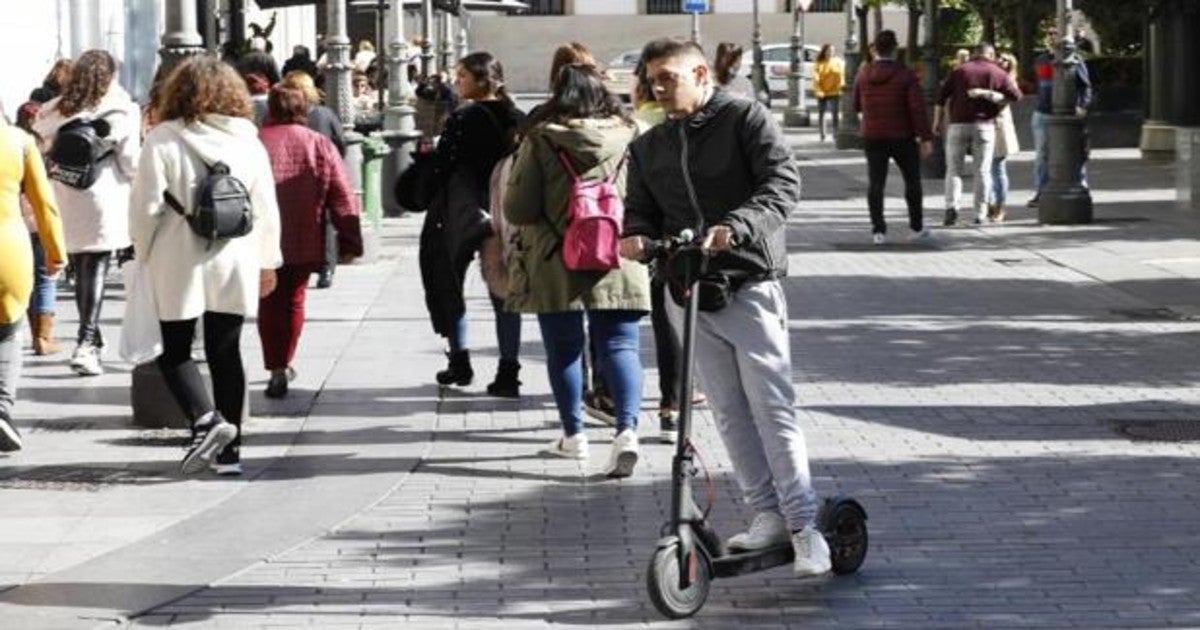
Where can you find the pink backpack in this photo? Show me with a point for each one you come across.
(595, 213)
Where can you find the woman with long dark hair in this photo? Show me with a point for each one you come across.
(582, 133)
(728, 69)
(95, 218)
(475, 138)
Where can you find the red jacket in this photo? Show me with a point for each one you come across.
(310, 180)
(888, 95)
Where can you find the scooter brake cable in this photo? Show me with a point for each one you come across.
(710, 487)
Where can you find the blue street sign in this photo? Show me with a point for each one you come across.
(695, 6)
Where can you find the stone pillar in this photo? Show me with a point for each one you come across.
(82, 19)
(338, 94)
(934, 166)
(847, 133)
(796, 114)
(399, 121)
(1065, 199)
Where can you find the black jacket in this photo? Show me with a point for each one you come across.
(743, 176)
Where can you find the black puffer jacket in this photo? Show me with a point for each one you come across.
(741, 173)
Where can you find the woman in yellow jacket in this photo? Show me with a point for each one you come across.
(829, 79)
(21, 172)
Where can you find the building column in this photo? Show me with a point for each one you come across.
(1158, 136)
(847, 133)
(82, 19)
(427, 68)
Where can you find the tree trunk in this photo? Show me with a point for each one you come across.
(878, 15)
(913, 45)
(989, 26)
(1026, 33)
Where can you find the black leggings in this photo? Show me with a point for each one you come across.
(91, 268)
(222, 334)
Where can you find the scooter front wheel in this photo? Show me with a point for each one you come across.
(663, 581)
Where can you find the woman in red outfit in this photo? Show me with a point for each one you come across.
(310, 180)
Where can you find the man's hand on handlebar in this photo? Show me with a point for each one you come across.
(720, 238)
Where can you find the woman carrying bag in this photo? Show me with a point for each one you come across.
(582, 134)
(476, 137)
(207, 120)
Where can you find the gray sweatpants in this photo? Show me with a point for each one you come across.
(743, 359)
(10, 364)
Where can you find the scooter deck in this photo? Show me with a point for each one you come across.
(733, 564)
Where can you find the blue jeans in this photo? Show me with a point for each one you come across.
(508, 332)
(1041, 170)
(41, 302)
(617, 340)
(999, 181)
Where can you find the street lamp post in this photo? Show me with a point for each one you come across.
(427, 38)
(934, 166)
(696, 26)
(338, 89)
(758, 74)
(399, 121)
(847, 132)
(796, 114)
(1065, 199)
(180, 40)
(445, 46)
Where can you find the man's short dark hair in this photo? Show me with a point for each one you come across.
(668, 48)
(984, 49)
(886, 43)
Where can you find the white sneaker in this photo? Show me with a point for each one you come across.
(923, 235)
(879, 238)
(573, 447)
(768, 529)
(624, 455)
(812, 553)
(86, 360)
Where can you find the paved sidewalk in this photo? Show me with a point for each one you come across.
(966, 390)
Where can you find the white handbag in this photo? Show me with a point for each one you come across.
(141, 336)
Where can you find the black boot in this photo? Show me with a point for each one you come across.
(506, 384)
(459, 371)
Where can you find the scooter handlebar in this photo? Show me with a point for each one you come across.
(658, 248)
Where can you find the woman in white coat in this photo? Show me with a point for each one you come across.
(94, 218)
(206, 116)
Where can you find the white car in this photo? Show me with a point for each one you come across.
(777, 62)
(618, 76)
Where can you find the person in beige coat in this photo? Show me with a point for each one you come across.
(94, 218)
(206, 117)
(1006, 145)
(582, 125)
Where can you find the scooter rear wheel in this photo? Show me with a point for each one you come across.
(847, 537)
(662, 582)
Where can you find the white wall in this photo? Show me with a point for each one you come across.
(606, 7)
(29, 41)
(740, 6)
(295, 26)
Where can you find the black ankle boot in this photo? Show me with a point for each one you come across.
(506, 384)
(459, 371)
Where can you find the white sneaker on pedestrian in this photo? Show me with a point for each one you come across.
(812, 553)
(624, 455)
(767, 530)
(573, 447)
(922, 235)
(879, 238)
(86, 360)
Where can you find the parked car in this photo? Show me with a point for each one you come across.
(777, 62)
(618, 76)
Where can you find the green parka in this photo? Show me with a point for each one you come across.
(536, 201)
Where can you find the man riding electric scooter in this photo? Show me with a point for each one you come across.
(721, 167)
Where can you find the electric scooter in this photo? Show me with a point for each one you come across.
(690, 554)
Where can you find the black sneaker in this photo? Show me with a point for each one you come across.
(668, 426)
(277, 385)
(600, 407)
(1033, 202)
(228, 462)
(208, 439)
(951, 217)
(324, 278)
(10, 437)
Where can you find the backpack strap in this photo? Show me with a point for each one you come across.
(566, 162)
(169, 198)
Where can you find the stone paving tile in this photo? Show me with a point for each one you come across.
(964, 392)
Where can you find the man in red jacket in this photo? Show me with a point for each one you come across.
(888, 95)
(974, 94)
